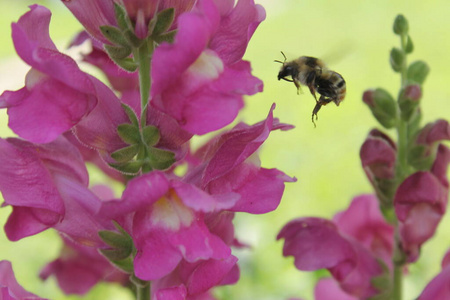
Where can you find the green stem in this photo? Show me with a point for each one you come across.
(143, 293)
(398, 276)
(143, 57)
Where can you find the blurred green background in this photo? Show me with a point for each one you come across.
(354, 38)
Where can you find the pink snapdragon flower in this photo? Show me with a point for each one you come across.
(420, 202)
(378, 154)
(198, 82)
(228, 166)
(47, 186)
(327, 289)
(439, 286)
(79, 268)
(350, 247)
(167, 224)
(9, 287)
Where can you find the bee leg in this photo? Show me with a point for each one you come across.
(315, 111)
(297, 84)
(310, 82)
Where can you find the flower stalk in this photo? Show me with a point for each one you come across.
(143, 58)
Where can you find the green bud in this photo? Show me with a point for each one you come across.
(166, 37)
(129, 133)
(417, 72)
(117, 52)
(151, 135)
(161, 159)
(131, 115)
(409, 45)
(128, 64)
(397, 59)
(401, 25)
(125, 154)
(408, 101)
(418, 158)
(382, 105)
(114, 35)
(164, 20)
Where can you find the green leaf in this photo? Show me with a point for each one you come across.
(164, 20)
(115, 254)
(125, 265)
(132, 39)
(161, 159)
(122, 17)
(125, 154)
(129, 133)
(116, 240)
(131, 115)
(114, 35)
(166, 37)
(117, 52)
(418, 71)
(151, 135)
(384, 108)
(128, 64)
(131, 167)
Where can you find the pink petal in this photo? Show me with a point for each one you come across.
(172, 293)
(328, 288)
(438, 288)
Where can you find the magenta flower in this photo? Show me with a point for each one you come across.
(350, 247)
(10, 289)
(196, 279)
(167, 225)
(420, 202)
(47, 187)
(328, 288)
(363, 221)
(438, 288)
(378, 154)
(79, 268)
(227, 167)
(197, 82)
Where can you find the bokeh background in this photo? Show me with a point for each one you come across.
(354, 38)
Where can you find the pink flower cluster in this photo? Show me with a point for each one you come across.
(180, 226)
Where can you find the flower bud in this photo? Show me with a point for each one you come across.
(409, 45)
(397, 59)
(401, 25)
(382, 105)
(409, 101)
(418, 72)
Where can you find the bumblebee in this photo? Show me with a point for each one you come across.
(313, 73)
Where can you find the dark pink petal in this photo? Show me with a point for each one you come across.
(316, 244)
(438, 288)
(92, 14)
(420, 202)
(202, 276)
(99, 128)
(328, 288)
(221, 224)
(10, 289)
(79, 268)
(378, 156)
(363, 221)
(155, 256)
(236, 29)
(434, 132)
(446, 260)
(50, 106)
(171, 293)
(440, 165)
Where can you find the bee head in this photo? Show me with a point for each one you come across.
(285, 71)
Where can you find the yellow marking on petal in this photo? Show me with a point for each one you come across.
(171, 213)
(208, 65)
(33, 77)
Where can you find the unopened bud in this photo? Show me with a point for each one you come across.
(409, 101)
(397, 59)
(382, 105)
(409, 45)
(418, 72)
(401, 26)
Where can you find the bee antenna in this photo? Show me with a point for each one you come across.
(283, 56)
(279, 61)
